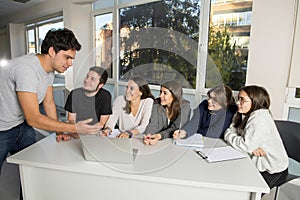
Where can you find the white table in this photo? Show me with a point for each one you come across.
(51, 170)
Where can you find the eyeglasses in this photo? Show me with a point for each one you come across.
(241, 100)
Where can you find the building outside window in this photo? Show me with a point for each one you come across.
(228, 42)
(104, 31)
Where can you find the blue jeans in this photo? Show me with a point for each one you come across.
(15, 139)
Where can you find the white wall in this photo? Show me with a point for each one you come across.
(4, 43)
(78, 19)
(17, 46)
(294, 80)
(270, 49)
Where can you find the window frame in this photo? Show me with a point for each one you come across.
(290, 102)
(35, 24)
(201, 91)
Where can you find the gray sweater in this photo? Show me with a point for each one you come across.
(260, 131)
(159, 121)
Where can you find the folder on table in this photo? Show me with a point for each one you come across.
(217, 154)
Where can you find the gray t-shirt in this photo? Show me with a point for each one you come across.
(25, 74)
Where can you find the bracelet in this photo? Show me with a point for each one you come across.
(129, 133)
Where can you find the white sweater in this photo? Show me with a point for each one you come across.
(128, 121)
(260, 131)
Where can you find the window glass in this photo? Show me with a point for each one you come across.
(30, 41)
(104, 31)
(159, 41)
(42, 31)
(228, 43)
(36, 32)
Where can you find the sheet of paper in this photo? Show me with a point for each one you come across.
(220, 153)
(114, 133)
(195, 140)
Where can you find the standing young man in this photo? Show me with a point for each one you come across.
(89, 101)
(25, 83)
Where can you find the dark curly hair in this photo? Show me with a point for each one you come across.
(60, 39)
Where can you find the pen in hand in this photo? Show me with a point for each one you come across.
(106, 131)
(152, 138)
(178, 137)
(146, 139)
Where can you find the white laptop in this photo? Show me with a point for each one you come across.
(108, 150)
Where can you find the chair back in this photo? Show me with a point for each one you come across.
(290, 135)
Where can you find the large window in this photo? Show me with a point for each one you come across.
(159, 41)
(199, 43)
(36, 32)
(104, 31)
(228, 41)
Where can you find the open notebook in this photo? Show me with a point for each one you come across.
(108, 150)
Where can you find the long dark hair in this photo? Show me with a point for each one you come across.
(176, 90)
(175, 108)
(143, 87)
(260, 100)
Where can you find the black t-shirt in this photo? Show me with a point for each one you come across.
(89, 107)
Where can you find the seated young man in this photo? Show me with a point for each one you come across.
(89, 101)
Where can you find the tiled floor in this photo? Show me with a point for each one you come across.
(10, 181)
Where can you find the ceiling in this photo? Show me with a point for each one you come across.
(9, 7)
